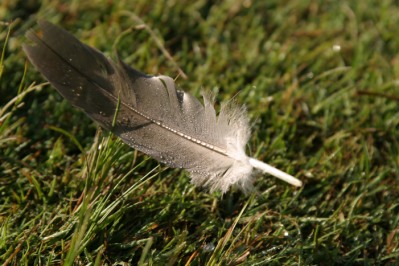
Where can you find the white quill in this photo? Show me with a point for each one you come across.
(168, 124)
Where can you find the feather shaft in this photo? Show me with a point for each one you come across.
(275, 172)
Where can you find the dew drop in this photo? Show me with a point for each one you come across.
(309, 174)
(336, 48)
(209, 247)
(125, 120)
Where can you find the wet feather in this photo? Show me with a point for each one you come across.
(154, 117)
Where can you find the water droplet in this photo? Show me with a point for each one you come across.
(308, 174)
(336, 48)
(209, 247)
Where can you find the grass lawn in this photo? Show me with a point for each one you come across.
(320, 80)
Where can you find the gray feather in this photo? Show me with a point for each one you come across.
(154, 117)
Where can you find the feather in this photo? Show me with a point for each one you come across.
(153, 116)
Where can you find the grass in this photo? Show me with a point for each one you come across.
(320, 81)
